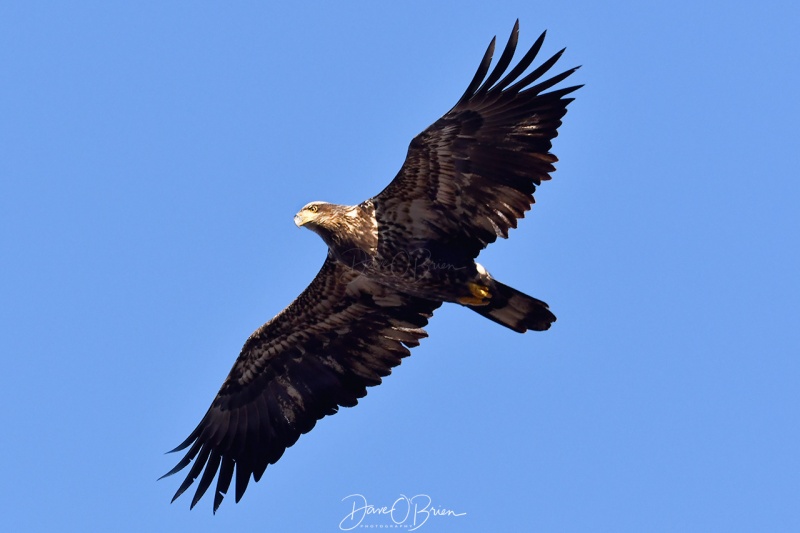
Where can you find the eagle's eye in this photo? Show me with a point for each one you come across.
(313, 208)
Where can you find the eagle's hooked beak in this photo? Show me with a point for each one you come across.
(302, 218)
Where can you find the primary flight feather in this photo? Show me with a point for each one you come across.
(392, 260)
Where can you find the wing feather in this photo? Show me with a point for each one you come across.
(472, 173)
(502, 63)
(224, 480)
(343, 334)
(483, 68)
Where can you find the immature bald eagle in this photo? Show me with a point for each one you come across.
(391, 261)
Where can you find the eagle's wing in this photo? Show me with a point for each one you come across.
(341, 335)
(469, 176)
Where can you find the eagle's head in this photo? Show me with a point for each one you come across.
(319, 216)
(344, 228)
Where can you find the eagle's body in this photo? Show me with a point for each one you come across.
(413, 266)
(392, 260)
(422, 266)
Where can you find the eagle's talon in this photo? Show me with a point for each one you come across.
(480, 295)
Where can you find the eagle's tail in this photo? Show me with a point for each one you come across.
(515, 310)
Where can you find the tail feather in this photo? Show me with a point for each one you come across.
(515, 310)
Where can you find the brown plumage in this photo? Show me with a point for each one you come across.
(392, 260)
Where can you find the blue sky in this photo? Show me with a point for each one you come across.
(152, 156)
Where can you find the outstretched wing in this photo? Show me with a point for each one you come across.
(341, 335)
(469, 176)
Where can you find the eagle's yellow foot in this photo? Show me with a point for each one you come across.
(480, 295)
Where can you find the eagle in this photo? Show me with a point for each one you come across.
(392, 260)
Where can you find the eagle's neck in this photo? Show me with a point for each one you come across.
(351, 234)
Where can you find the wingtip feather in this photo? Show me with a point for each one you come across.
(480, 74)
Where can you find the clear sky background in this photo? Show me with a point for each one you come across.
(153, 154)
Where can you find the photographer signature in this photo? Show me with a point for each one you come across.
(411, 512)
